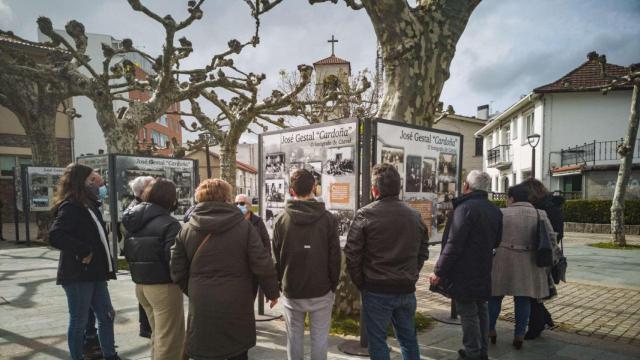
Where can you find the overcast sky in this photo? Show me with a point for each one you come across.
(508, 48)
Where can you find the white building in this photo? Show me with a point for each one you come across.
(578, 129)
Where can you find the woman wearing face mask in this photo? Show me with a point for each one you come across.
(85, 260)
(151, 231)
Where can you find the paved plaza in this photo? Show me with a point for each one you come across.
(597, 317)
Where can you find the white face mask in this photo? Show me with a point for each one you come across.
(243, 209)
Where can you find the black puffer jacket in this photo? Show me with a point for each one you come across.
(386, 247)
(151, 231)
(471, 234)
(76, 234)
(552, 205)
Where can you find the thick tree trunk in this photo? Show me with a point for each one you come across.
(347, 301)
(121, 136)
(417, 45)
(228, 156)
(626, 151)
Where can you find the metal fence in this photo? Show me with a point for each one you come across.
(594, 152)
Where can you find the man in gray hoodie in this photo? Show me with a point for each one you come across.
(306, 250)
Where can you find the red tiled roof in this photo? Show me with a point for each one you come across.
(332, 60)
(585, 76)
(246, 167)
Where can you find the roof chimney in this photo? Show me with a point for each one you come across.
(483, 112)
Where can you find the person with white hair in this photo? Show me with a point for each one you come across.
(473, 230)
(137, 187)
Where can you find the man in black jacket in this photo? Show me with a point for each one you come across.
(244, 204)
(386, 248)
(306, 249)
(471, 234)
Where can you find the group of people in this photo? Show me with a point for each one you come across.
(489, 253)
(222, 254)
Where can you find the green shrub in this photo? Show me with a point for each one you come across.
(593, 211)
(599, 211)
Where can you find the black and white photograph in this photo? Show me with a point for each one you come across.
(447, 165)
(275, 191)
(344, 218)
(429, 175)
(270, 217)
(274, 165)
(40, 197)
(413, 176)
(339, 161)
(393, 156)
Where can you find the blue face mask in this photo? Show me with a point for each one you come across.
(243, 209)
(102, 192)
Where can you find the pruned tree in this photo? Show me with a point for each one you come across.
(356, 97)
(105, 86)
(626, 148)
(418, 43)
(240, 110)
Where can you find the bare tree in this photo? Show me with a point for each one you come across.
(626, 148)
(418, 43)
(106, 86)
(242, 111)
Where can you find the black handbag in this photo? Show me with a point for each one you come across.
(559, 270)
(544, 251)
(443, 287)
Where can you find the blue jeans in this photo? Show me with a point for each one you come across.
(399, 310)
(81, 298)
(522, 307)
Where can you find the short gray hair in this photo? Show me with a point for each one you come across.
(138, 184)
(479, 180)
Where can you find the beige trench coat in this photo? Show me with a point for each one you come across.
(515, 272)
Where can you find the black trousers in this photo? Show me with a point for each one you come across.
(539, 317)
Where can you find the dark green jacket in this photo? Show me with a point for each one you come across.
(306, 250)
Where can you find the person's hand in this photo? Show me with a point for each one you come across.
(434, 279)
(272, 303)
(87, 259)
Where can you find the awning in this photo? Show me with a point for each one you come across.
(567, 170)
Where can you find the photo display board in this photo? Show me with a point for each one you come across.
(41, 186)
(429, 163)
(181, 171)
(329, 151)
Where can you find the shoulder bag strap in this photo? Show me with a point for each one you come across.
(195, 255)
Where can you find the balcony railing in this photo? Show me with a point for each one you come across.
(500, 156)
(595, 152)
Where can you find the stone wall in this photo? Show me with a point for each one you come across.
(598, 228)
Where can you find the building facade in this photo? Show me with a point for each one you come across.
(15, 148)
(578, 130)
(246, 174)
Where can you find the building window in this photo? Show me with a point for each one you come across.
(506, 135)
(163, 120)
(479, 146)
(7, 163)
(514, 128)
(159, 139)
(529, 122)
(490, 141)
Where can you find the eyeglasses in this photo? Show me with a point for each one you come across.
(241, 203)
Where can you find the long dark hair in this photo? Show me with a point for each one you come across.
(536, 189)
(71, 186)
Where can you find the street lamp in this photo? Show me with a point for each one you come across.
(206, 139)
(533, 140)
